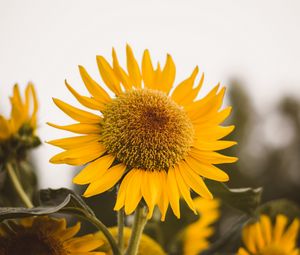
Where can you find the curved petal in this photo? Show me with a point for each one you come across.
(107, 181)
(77, 114)
(133, 68)
(108, 75)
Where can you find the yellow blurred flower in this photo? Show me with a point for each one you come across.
(147, 245)
(196, 235)
(264, 238)
(17, 133)
(45, 235)
(158, 141)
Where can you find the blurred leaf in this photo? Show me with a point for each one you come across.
(51, 201)
(244, 199)
(280, 206)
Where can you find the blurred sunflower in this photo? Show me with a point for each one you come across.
(196, 235)
(43, 236)
(162, 144)
(147, 245)
(261, 238)
(17, 133)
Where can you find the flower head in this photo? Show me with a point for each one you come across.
(264, 238)
(44, 236)
(196, 235)
(17, 133)
(159, 144)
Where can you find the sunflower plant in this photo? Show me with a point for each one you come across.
(150, 139)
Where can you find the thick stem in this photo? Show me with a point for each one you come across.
(17, 185)
(140, 220)
(121, 218)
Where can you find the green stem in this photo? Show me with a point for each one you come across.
(121, 219)
(17, 185)
(106, 233)
(140, 220)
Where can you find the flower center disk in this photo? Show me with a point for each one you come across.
(145, 129)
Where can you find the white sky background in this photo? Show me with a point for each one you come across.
(44, 41)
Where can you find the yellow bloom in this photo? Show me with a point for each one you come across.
(147, 245)
(17, 131)
(261, 238)
(159, 144)
(43, 236)
(196, 234)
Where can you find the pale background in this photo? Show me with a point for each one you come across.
(44, 41)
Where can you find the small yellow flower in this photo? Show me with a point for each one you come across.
(147, 245)
(262, 238)
(196, 235)
(44, 236)
(17, 133)
(158, 142)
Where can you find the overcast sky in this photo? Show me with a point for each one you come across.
(44, 41)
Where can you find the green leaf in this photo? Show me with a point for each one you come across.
(280, 206)
(244, 199)
(51, 201)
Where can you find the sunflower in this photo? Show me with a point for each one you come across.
(261, 238)
(147, 245)
(45, 236)
(17, 133)
(159, 144)
(196, 235)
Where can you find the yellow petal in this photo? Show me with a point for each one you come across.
(266, 228)
(79, 156)
(86, 101)
(32, 93)
(280, 224)
(93, 87)
(74, 142)
(77, 114)
(213, 133)
(4, 128)
(94, 170)
(291, 234)
(206, 170)
(216, 119)
(184, 189)
(184, 93)
(208, 109)
(133, 191)
(120, 73)
(108, 75)
(167, 75)
(242, 251)
(249, 238)
(122, 191)
(213, 145)
(194, 181)
(211, 157)
(70, 232)
(133, 68)
(163, 201)
(84, 244)
(147, 70)
(149, 189)
(80, 128)
(173, 192)
(107, 181)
